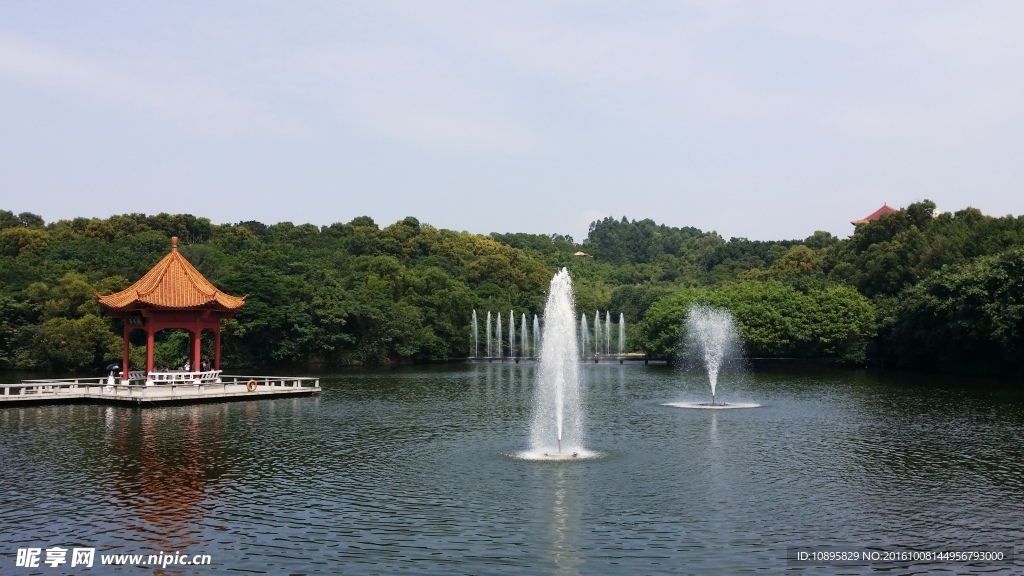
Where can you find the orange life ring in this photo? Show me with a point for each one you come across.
(250, 385)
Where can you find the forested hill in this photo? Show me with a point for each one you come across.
(929, 292)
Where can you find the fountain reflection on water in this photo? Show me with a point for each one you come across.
(556, 432)
(711, 335)
(563, 523)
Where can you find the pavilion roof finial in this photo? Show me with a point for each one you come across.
(174, 243)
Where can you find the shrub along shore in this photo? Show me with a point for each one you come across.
(912, 289)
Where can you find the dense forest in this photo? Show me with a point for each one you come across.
(913, 289)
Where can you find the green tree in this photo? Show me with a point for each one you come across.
(962, 318)
(774, 319)
(74, 345)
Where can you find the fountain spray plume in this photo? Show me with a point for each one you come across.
(584, 332)
(536, 335)
(489, 354)
(497, 338)
(475, 350)
(511, 334)
(712, 333)
(558, 415)
(525, 349)
(607, 332)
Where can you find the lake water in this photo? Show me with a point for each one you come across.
(414, 470)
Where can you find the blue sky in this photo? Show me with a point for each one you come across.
(766, 120)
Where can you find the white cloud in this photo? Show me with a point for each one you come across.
(526, 115)
(448, 129)
(205, 107)
(401, 92)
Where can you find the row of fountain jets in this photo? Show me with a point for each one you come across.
(495, 347)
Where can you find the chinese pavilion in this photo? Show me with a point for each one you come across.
(885, 209)
(173, 294)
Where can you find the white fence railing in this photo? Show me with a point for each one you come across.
(186, 386)
(181, 377)
(274, 381)
(36, 388)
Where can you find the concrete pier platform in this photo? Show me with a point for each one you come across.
(106, 390)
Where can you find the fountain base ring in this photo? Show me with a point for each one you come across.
(712, 405)
(553, 456)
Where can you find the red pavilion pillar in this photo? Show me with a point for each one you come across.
(150, 344)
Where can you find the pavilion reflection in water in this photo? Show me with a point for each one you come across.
(166, 463)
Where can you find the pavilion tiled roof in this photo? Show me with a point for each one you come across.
(885, 209)
(173, 284)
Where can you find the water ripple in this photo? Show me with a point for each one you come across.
(409, 471)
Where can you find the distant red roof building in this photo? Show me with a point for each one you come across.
(885, 209)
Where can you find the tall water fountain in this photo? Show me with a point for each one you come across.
(557, 429)
(497, 339)
(536, 335)
(711, 340)
(489, 351)
(597, 332)
(475, 350)
(525, 353)
(714, 334)
(495, 334)
(584, 333)
(511, 334)
(607, 332)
